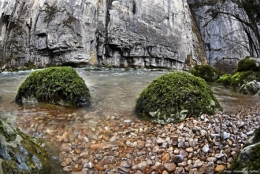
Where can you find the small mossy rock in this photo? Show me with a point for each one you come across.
(248, 159)
(240, 78)
(247, 64)
(56, 85)
(175, 96)
(250, 88)
(225, 79)
(19, 154)
(206, 72)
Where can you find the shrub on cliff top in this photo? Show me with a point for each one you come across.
(56, 85)
(175, 96)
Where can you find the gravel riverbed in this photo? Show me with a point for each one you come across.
(117, 144)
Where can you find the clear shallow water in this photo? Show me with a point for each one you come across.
(113, 94)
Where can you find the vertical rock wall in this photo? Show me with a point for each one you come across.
(136, 33)
(226, 29)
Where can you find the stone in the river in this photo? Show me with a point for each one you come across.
(162, 99)
(56, 85)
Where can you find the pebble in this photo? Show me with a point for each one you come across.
(117, 144)
(170, 167)
(142, 165)
(205, 148)
(178, 159)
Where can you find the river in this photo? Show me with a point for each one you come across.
(113, 93)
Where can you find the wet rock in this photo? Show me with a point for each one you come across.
(219, 168)
(107, 160)
(142, 165)
(165, 158)
(178, 159)
(205, 148)
(123, 170)
(19, 153)
(197, 164)
(170, 167)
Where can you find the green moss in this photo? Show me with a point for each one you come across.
(21, 154)
(256, 136)
(239, 78)
(175, 96)
(225, 79)
(57, 85)
(206, 72)
(246, 64)
(248, 160)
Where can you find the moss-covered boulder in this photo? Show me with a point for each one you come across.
(206, 72)
(175, 96)
(240, 78)
(19, 154)
(56, 85)
(247, 64)
(248, 159)
(225, 79)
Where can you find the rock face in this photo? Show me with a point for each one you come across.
(107, 32)
(227, 29)
(125, 32)
(19, 154)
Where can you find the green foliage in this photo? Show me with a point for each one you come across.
(256, 136)
(206, 72)
(239, 78)
(20, 154)
(247, 64)
(55, 85)
(225, 79)
(175, 96)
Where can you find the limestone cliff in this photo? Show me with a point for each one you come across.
(140, 33)
(229, 28)
(175, 34)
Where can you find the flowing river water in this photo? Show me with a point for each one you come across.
(113, 93)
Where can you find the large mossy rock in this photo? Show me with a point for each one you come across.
(19, 154)
(206, 72)
(175, 96)
(56, 85)
(247, 64)
(248, 159)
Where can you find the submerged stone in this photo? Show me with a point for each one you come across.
(19, 154)
(174, 97)
(56, 85)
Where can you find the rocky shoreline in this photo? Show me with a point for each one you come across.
(117, 144)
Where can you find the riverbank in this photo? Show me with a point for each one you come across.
(123, 144)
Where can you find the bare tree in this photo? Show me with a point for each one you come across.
(248, 14)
